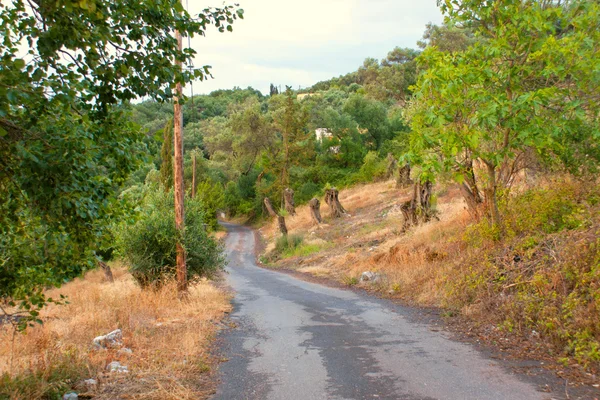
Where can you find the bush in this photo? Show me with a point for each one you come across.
(373, 168)
(149, 245)
(212, 199)
(306, 192)
(288, 242)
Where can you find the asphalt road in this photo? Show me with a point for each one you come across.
(300, 340)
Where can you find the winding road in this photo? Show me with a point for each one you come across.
(300, 340)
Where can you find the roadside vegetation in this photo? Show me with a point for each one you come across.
(169, 342)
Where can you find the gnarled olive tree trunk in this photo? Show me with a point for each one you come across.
(332, 199)
(288, 196)
(273, 213)
(403, 179)
(470, 190)
(315, 210)
(418, 209)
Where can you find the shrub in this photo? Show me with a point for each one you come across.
(212, 199)
(373, 168)
(306, 192)
(289, 242)
(149, 245)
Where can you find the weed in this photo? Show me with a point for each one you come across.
(350, 280)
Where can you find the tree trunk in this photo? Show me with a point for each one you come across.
(315, 210)
(425, 201)
(273, 213)
(403, 179)
(470, 190)
(179, 189)
(392, 164)
(270, 208)
(491, 201)
(288, 195)
(418, 208)
(331, 198)
(282, 226)
(107, 271)
(194, 175)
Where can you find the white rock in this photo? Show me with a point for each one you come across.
(369, 276)
(126, 351)
(112, 339)
(90, 382)
(70, 396)
(116, 366)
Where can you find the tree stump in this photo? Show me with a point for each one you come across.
(403, 179)
(392, 163)
(273, 213)
(331, 198)
(288, 196)
(315, 210)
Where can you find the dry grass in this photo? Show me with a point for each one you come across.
(169, 338)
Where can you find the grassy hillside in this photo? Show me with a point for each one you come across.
(538, 281)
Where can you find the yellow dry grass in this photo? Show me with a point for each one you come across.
(169, 338)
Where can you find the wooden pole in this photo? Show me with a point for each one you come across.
(178, 177)
(194, 175)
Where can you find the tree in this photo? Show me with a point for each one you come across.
(66, 145)
(446, 37)
(527, 85)
(371, 116)
(289, 120)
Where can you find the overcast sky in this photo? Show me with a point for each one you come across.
(301, 42)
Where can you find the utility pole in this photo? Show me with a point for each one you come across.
(193, 195)
(178, 178)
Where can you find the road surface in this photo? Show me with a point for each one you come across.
(300, 340)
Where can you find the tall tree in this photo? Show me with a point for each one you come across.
(290, 121)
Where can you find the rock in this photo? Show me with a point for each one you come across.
(70, 396)
(116, 366)
(90, 382)
(112, 339)
(369, 276)
(126, 351)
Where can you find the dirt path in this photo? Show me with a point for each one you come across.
(300, 340)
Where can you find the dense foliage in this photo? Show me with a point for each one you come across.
(66, 143)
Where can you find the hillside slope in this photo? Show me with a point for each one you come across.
(535, 288)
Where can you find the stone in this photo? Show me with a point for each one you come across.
(112, 339)
(369, 276)
(126, 351)
(70, 396)
(116, 366)
(90, 382)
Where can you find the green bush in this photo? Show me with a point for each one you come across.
(212, 199)
(149, 245)
(373, 168)
(289, 242)
(306, 192)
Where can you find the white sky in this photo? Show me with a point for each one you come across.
(299, 43)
